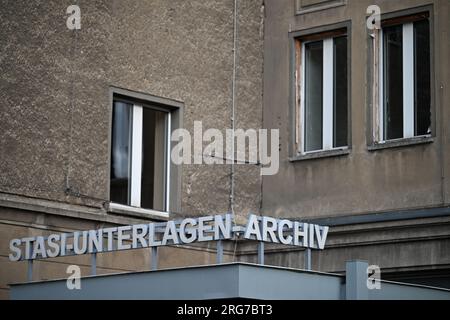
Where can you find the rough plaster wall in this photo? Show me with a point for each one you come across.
(34, 96)
(54, 90)
(443, 83)
(249, 97)
(363, 181)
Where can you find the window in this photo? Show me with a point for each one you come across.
(404, 75)
(140, 167)
(323, 96)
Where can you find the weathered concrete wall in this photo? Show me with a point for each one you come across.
(55, 111)
(390, 245)
(54, 120)
(400, 248)
(54, 90)
(363, 181)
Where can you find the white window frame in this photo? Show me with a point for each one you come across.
(135, 165)
(327, 97)
(136, 156)
(408, 84)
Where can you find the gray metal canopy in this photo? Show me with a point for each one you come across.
(234, 280)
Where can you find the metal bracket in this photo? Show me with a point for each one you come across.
(154, 259)
(261, 252)
(219, 252)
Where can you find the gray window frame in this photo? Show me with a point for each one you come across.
(372, 143)
(294, 154)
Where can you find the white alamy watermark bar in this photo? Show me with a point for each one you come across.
(236, 146)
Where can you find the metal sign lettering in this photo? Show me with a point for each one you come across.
(189, 230)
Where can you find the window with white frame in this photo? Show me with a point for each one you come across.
(323, 92)
(139, 155)
(404, 76)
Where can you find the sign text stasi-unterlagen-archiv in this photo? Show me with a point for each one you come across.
(188, 230)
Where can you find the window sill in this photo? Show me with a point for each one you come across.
(400, 143)
(137, 212)
(320, 154)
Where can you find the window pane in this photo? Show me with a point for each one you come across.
(340, 92)
(422, 77)
(153, 179)
(313, 95)
(393, 82)
(120, 148)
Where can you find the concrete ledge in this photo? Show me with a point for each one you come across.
(400, 143)
(320, 154)
(382, 216)
(137, 212)
(66, 210)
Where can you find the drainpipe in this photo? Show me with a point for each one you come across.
(233, 105)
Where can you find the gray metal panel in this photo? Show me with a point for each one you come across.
(400, 291)
(188, 283)
(287, 284)
(206, 282)
(356, 280)
(235, 280)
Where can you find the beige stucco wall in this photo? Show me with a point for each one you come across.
(54, 115)
(55, 112)
(362, 181)
(55, 84)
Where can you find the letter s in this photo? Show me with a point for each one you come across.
(14, 247)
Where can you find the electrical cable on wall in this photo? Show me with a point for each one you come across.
(69, 189)
(233, 106)
(70, 111)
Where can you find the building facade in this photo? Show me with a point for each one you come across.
(58, 88)
(361, 114)
(384, 189)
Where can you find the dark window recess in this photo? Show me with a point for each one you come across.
(120, 153)
(313, 95)
(418, 113)
(422, 114)
(393, 82)
(153, 159)
(153, 153)
(340, 116)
